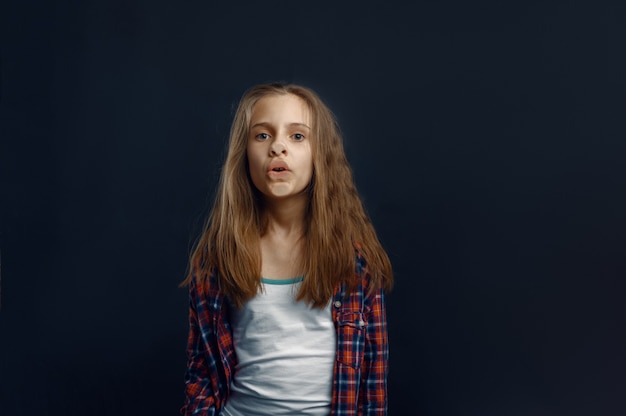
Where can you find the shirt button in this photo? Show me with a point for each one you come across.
(337, 304)
(361, 323)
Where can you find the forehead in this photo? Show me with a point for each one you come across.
(280, 109)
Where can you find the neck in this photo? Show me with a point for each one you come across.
(282, 239)
(285, 218)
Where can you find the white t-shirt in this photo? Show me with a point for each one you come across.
(286, 353)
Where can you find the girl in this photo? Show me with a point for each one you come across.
(286, 284)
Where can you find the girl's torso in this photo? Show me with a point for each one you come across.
(286, 352)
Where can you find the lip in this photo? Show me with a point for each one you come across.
(278, 164)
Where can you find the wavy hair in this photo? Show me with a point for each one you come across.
(336, 221)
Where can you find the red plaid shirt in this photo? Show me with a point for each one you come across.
(361, 365)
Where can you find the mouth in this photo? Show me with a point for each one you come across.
(278, 166)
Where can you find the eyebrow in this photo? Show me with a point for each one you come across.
(266, 124)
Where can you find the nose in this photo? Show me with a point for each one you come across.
(277, 147)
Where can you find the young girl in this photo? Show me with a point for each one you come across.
(286, 284)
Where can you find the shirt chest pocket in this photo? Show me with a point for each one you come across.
(351, 329)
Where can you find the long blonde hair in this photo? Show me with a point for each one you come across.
(336, 221)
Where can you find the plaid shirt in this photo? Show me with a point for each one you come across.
(360, 369)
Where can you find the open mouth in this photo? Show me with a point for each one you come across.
(279, 169)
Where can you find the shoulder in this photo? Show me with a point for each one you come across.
(362, 276)
(359, 284)
(204, 285)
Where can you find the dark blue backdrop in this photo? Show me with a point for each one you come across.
(487, 140)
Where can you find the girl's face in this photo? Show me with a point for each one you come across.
(279, 149)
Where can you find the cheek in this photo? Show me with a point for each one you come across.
(253, 166)
(311, 159)
(310, 168)
(253, 159)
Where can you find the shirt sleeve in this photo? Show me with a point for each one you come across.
(200, 396)
(374, 370)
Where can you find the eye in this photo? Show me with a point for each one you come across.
(262, 136)
(298, 137)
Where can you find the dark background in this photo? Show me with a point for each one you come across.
(487, 139)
